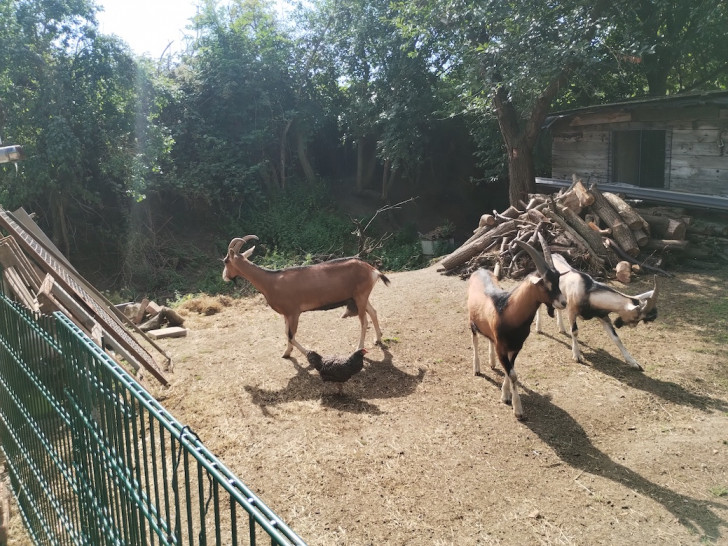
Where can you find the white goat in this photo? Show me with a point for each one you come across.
(588, 298)
(294, 290)
(505, 317)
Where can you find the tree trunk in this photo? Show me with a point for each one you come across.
(308, 171)
(360, 164)
(284, 139)
(519, 149)
(60, 228)
(365, 162)
(387, 176)
(521, 173)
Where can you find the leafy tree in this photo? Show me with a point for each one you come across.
(234, 108)
(669, 46)
(512, 59)
(384, 94)
(72, 103)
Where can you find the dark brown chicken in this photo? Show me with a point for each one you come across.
(337, 369)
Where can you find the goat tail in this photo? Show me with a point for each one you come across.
(384, 278)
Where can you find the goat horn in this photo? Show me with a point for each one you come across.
(546, 250)
(652, 300)
(238, 242)
(538, 260)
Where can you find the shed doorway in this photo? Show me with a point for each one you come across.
(638, 158)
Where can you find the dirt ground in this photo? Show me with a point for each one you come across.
(420, 451)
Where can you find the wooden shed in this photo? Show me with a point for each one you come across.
(676, 143)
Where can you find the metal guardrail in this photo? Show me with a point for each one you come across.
(652, 195)
(93, 459)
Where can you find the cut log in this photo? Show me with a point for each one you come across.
(585, 198)
(486, 220)
(666, 244)
(511, 212)
(624, 272)
(536, 216)
(664, 227)
(641, 237)
(600, 231)
(475, 247)
(592, 238)
(595, 260)
(620, 231)
(614, 246)
(630, 216)
(570, 200)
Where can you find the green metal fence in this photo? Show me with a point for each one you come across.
(93, 459)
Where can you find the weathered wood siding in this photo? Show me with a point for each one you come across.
(696, 158)
(584, 152)
(699, 164)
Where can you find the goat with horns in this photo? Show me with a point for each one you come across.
(588, 298)
(505, 317)
(294, 290)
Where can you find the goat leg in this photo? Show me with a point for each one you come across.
(612, 333)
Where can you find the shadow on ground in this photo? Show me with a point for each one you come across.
(570, 442)
(379, 379)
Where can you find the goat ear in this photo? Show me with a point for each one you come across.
(632, 307)
(535, 279)
(248, 252)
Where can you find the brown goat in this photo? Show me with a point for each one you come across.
(295, 290)
(505, 317)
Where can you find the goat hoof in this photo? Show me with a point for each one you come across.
(520, 416)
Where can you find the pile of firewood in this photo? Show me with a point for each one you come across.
(595, 231)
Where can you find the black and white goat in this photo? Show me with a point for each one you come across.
(588, 298)
(505, 317)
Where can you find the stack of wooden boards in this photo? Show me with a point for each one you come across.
(156, 320)
(594, 231)
(38, 276)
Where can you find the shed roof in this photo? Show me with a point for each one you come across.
(681, 100)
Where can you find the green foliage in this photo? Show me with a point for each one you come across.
(402, 252)
(302, 221)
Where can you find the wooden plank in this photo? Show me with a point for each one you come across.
(49, 304)
(15, 281)
(75, 309)
(700, 187)
(96, 303)
(714, 165)
(597, 118)
(583, 135)
(12, 255)
(564, 172)
(171, 331)
(28, 224)
(140, 312)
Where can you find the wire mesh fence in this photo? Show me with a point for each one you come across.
(94, 459)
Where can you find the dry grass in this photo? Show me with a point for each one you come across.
(206, 305)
